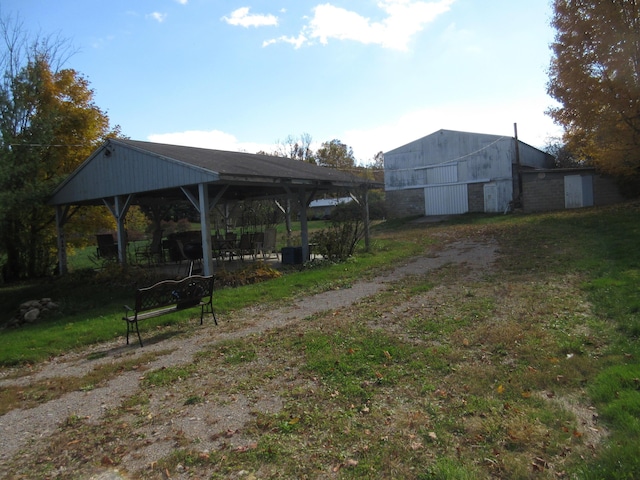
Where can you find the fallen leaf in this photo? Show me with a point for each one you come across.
(500, 389)
(387, 354)
(246, 448)
(433, 436)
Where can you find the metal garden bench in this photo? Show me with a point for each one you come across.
(169, 296)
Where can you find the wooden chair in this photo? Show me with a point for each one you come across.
(107, 247)
(245, 245)
(257, 244)
(269, 244)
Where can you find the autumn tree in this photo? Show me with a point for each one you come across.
(335, 154)
(48, 126)
(595, 77)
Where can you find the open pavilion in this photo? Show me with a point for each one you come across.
(121, 173)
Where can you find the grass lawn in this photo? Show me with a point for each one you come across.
(527, 371)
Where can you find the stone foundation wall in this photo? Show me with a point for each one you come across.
(542, 191)
(605, 191)
(404, 203)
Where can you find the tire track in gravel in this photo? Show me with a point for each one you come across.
(19, 427)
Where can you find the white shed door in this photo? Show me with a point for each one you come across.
(446, 200)
(578, 191)
(490, 197)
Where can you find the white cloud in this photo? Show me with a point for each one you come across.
(297, 42)
(214, 139)
(157, 16)
(404, 19)
(182, 2)
(242, 18)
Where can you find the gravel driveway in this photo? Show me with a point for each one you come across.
(22, 427)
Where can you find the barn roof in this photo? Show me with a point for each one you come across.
(153, 171)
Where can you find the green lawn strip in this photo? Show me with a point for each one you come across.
(34, 343)
(92, 312)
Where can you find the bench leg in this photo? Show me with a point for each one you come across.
(130, 325)
(138, 332)
(207, 308)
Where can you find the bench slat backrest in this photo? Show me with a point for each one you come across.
(188, 291)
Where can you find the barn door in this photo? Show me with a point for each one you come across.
(446, 200)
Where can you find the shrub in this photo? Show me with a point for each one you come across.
(339, 241)
(253, 273)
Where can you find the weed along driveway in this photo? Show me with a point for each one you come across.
(441, 366)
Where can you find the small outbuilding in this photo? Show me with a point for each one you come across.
(451, 172)
(323, 207)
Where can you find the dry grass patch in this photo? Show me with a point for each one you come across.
(36, 393)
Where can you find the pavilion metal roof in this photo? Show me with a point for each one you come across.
(154, 172)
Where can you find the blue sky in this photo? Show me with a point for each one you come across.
(245, 75)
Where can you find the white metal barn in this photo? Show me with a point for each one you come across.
(451, 172)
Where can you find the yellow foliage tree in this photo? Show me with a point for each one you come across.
(595, 77)
(48, 126)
